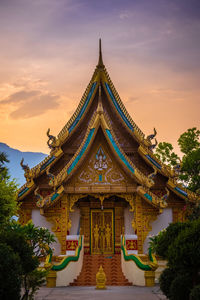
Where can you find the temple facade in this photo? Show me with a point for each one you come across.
(102, 179)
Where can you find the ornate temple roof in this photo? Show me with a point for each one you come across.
(93, 112)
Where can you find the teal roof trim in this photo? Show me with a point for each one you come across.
(23, 192)
(74, 163)
(181, 191)
(155, 163)
(118, 107)
(47, 163)
(83, 107)
(148, 197)
(119, 153)
(54, 196)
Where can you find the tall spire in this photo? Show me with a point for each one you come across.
(100, 63)
(100, 106)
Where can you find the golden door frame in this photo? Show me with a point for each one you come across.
(100, 236)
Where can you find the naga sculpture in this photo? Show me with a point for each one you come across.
(28, 174)
(39, 197)
(152, 136)
(149, 180)
(165, 197)
(151, 147)
(53, 142)
(52, 181)
(152, 175)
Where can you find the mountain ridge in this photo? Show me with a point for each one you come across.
(15, 156)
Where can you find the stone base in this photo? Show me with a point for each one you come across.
(149, 278)
(51, 279)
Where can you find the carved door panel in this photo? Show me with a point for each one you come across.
(102, 231)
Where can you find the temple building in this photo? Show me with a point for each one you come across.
(102, 180)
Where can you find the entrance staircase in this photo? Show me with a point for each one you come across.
(111, 266)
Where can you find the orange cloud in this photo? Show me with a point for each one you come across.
(30, 103)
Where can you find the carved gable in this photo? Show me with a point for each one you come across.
(100, 167)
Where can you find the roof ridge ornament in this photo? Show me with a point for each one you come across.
(100, 106)
(100, 62)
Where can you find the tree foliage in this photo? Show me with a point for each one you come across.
(179, 244)
(189, 140)
(189, 171)
(160, 242)
(8, 192)
(38, 238)
(10, 273)
(21, 247)
(189, 143)
(165, 153)
(29, 243)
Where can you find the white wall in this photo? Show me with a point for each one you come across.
(73, 269)
(41, 221)
(160, 223)
(75, 218)
(134, 274)
(128, 217)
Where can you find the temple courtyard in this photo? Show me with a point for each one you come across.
(90, 293)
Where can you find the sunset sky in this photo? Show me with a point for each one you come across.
(49, 49)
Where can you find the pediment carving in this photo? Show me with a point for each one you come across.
(99, 168)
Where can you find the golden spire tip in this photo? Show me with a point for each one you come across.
(100, 106)
(100, 63)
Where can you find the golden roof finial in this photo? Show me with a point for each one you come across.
(100, 63)
(100, 106)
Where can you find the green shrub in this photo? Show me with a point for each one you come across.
(180, 245)
(10, 273)
(165, 280)
(180, 287)
(18, 243)
(184, 252)
(160, 243)
(195, 293)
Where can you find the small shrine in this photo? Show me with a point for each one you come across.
(102, 181)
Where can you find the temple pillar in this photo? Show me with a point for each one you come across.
(119, 225)
(178, 214)
(64, 222)
(59, 217)
(139, 222)
(85, 227)
(24, 215)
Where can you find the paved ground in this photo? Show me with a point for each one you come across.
(90, 293)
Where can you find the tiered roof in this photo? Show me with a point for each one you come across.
(93, 107)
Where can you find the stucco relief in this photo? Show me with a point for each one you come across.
(101, 170)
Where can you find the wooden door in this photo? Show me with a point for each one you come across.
(102, 231)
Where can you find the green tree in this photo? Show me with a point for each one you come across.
(21, 247)
(39, 240)
(189, 171)
(3, 168)
(8, 193)
(30, 244)
(165, 153)
(10, 273)
(19, 255)
(189, 143)
(179, 244)
(189, 140)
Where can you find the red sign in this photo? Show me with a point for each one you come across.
(131, 245)
(71, 245)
